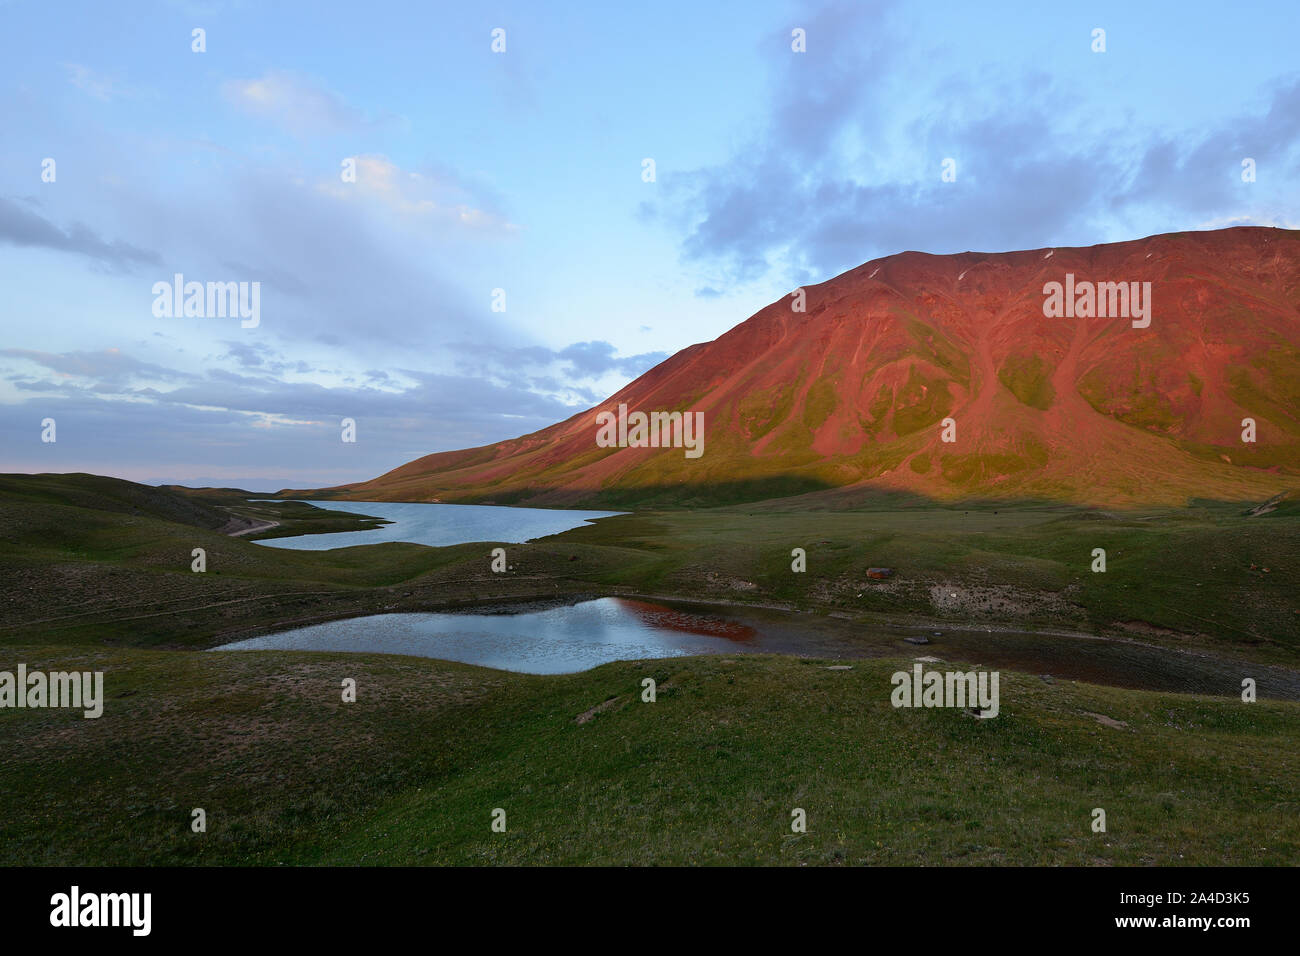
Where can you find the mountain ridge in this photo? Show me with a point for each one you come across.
(854, 391)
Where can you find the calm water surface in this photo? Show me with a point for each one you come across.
(558, 640)
(580, 636)
(439, 525)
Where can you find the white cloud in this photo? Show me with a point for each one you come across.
(299, 104)
(416, 196)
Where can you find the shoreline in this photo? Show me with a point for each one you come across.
(804, 634)
(256, 527)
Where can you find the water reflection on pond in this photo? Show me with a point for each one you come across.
(557, 640)
(577, 637)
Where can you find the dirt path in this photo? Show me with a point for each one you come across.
(257, 526)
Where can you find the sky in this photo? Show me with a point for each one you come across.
(454, 244)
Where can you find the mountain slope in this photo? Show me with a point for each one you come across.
(854, 390)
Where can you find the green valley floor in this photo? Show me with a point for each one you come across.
(97, 576)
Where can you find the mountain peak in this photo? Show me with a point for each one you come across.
(953, 376)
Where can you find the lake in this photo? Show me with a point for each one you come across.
(557, 640)
(439, 525)
(577, 637)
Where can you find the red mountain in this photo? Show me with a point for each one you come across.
(853, 391)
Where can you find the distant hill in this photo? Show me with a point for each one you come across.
(851, 392)
(100, 493)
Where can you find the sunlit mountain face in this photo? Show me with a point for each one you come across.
(1147, 371)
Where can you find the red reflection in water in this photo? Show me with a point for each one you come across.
(665, 618)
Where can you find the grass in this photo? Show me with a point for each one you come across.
(410, 773)
(1029, 379)
(1192, 577)
(709, 773)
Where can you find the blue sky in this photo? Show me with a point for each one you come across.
(522, 171)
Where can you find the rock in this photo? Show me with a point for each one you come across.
(1106, 721)
(840, 667)
(918, 639)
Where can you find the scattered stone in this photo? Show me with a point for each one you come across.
(1270, 505)
(599, 708)
(918, 639)
(1107, 721)
(929, 660)
(840, 667)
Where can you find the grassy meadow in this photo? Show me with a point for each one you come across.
(97, 577)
